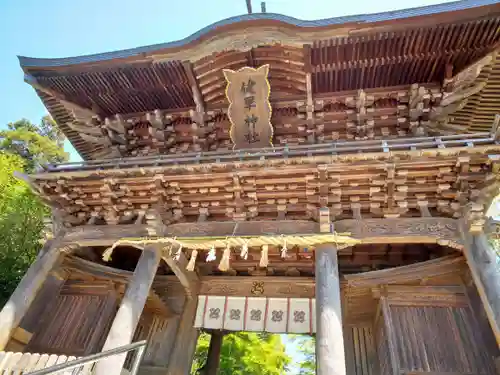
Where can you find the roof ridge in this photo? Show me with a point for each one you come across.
(28, 62)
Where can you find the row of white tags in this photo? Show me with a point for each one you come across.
(258, 314)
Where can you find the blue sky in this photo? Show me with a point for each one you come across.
(61, 28)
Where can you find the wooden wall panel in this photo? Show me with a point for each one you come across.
(383, 351)
(361, 354)
(160, 332)
(439, 339)
(480, 316)
(43, 301)
(78, 321)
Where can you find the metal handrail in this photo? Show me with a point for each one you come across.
(140, 346)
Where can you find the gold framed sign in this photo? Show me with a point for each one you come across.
(249, 109)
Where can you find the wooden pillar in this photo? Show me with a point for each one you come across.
(330, 355)
(485, 271)
(182, 355)
(213, 355)
(130, 310)
(20, 301)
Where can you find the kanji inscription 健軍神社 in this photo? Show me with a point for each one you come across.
(249, 108)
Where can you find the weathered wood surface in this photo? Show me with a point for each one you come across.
(413, 272)
(417, 230)
(130, 310)
(78, 320)
(443, 231)
(390, 334)
(480, 316)
(485, 270)
(189, 280)
(439, 340)
(252, 286)
(383, 351)
(21, 363)
(330, 356)
(20, 301)
(45, 299)
(159, 332)
(86, 271)
(186, 336)
(102, 235)
(361, 352)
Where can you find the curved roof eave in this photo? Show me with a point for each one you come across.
(30, 62)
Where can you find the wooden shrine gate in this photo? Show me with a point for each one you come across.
(328, 177)
(422, 316)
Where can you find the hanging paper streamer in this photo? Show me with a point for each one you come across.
(178, 254)
(244, 251)
(106, 255)
(192, 260)
(264, 260)
(284, 249)
(211, 254)
(224, 262)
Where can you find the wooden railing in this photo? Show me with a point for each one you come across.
(280, 152)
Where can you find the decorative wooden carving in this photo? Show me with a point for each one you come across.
(242, 228)
(268, 286)
(249, 109)
(441, 230)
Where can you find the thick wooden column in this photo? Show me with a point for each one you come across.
(213, 355)
(182, 355)
(20, 301)
(130, 310)
(485, 271)
(330, 356)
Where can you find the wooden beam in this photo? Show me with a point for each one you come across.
(182, 354)
(330, 355)
(189, 280)
(248, 286)
(197, 96)
(483, 264)
(417, 230)
(26, 291)
(130, 310)
(391, 336)
(160, 307)
(311, 137)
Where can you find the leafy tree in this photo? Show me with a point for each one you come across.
(306, 346)
(21, 222)
(245, 353)
(37, 144)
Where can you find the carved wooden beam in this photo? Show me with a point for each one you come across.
(85, 129)
(468, 76)
(199, 114)
(178, 263)
(258, 286)
(155, 302)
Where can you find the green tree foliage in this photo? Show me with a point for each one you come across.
(306, 346)
(245, 353)
(21, 222)
(23, 146)
(37, 144)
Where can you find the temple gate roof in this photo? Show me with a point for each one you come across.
(374, 76)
